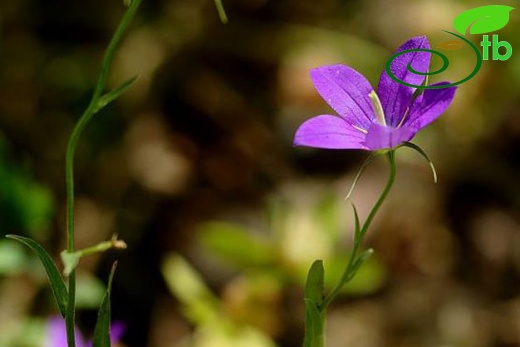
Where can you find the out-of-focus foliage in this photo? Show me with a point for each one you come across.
(286, 252)
(12, 258)
(25, 205)
(188, 160)
(215, 328)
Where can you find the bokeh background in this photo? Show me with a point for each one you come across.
(194, 168)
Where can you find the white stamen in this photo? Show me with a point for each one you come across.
(404, 117)
(378, 109)
(360, 129)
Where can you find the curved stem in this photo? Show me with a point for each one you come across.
(352, 267)
(384, 194)
(92, 108)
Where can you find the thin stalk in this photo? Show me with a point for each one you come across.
(351, 268)
(102, 247)
(92, 108)
(221, 11)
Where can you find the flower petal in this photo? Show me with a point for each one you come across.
(396, 97)
(57, 334)
(383, 137)
(432, 104)
(117, 329)
(346, 91)
(328, 131)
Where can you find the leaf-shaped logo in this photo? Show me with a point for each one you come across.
(484, 19)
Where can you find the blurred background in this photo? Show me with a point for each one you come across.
(194, 168)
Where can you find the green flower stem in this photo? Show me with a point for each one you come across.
(353, 266)
(93, 107)
(102, 247)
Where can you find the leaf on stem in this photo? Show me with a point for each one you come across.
(314, 284)
(357, 227)
(114, 94)
(57, 284)
(313, 325)
(313, 300)
(71, 259)
(102, 329)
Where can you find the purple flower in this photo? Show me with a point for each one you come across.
(57, 335)
(373, 121)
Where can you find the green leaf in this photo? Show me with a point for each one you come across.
(313, 299)
(114, 94)
(313, 325)
(483, 19)
(57, 285)
(102, 329)
(357, 226)
(314, 283)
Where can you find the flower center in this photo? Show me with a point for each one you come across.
(378, 109)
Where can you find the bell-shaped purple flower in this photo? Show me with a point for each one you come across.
(373, 121)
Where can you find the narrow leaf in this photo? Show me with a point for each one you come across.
(357, 226)
(314, 284)
(313, 325)
(114, 94)
(313, 299)
(483, 19)
(425, 156)
(102, 329)
(57, 284)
